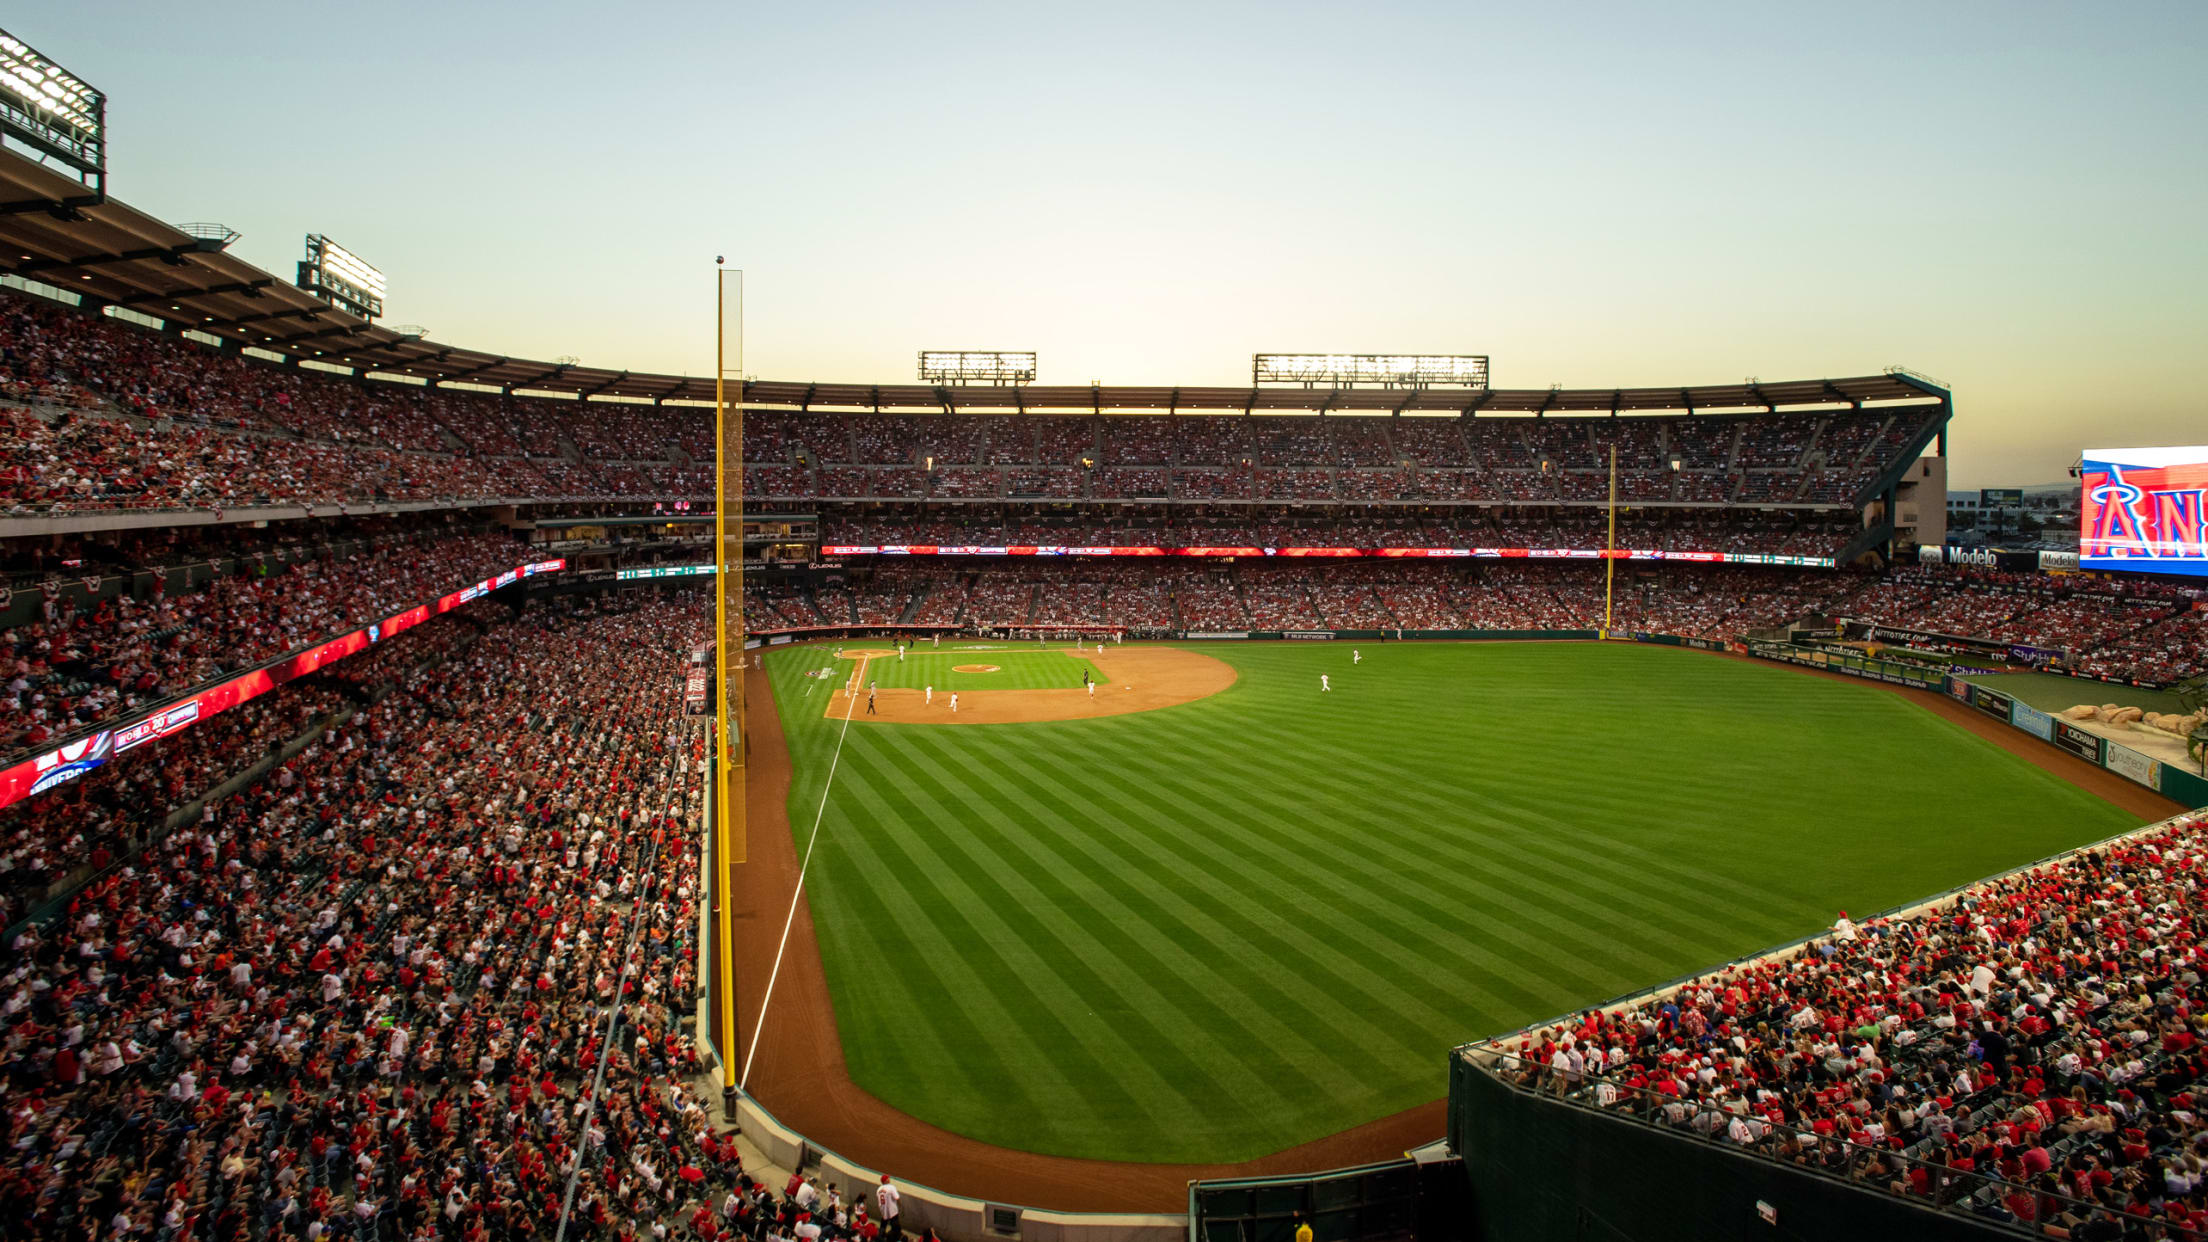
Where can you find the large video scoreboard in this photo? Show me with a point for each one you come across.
(2143, 510)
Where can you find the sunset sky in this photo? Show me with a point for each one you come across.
(2007, 197)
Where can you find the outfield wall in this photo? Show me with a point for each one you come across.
(1544, 1167)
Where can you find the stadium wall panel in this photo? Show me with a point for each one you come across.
(1539, 1167)
(2187, 787)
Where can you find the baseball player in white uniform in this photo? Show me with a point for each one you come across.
(1324, 684)
(931, 696)
(1356, 656)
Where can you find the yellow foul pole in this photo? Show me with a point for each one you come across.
(1610, 557)
(729, 843)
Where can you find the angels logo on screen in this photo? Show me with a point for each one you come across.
(2145, 510)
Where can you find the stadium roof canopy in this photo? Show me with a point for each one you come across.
(114, 254)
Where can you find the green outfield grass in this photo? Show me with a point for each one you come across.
(1218, 930)
(1018, 668)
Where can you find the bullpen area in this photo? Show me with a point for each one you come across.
(1257, 913)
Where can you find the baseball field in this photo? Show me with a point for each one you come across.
(1252, 916)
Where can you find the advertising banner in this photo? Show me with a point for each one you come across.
(73, 759)
(1991, 702)
(1307, 634)
(2032, 720)
(652, 572)
(2078, 742)
(1588, 554)
(2128, 762)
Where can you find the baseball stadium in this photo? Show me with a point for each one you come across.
(451, 795)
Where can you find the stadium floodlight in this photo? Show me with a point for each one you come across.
(1388, 370)
(977, 366)
(56, 114)
(341, 278)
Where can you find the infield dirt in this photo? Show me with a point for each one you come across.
(1129, 679)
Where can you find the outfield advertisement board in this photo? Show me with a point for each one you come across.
(1589, 554)
(2032, 720)
(2086, 746)
(1991, 702)
(2125, 761)
(1313, 634)
(1888, 671)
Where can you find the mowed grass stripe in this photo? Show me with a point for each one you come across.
(1327, 1004)
(1104, 996)
(1550, 876)
(1601, 890)
(1388, 914)
(1638, 812)
(1027, 1006)
(914, 993)
(1186, 938)
(1308, 938)
(1219, 847)
(1564, 959)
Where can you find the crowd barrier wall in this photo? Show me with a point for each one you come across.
(1543, 1167)
(1383, 1200)
(953, 1216)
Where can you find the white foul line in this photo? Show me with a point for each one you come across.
(851, 698)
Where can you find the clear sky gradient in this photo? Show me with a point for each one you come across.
(2007, 197)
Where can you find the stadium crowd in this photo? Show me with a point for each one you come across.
(368, 995)
(1148, 595)
(72, 666)
(1803, 534)
(108, 415)
(2113, 628)
(2030, 1049)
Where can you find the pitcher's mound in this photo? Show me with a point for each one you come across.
(973, 668)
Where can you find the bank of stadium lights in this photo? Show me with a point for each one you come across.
(53, 112)
(341, 278)
(1388, 370)
(977, 366)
